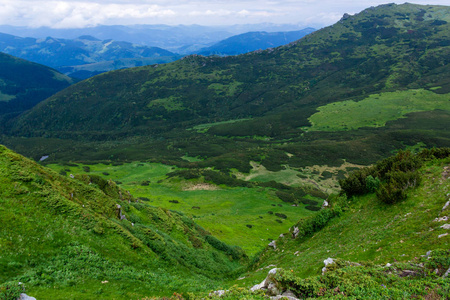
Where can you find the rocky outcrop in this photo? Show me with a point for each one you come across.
(26, 297)
(270, 287)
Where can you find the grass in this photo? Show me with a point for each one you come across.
(368, 231)
(222, 210)
(376, 110)
(62, 237)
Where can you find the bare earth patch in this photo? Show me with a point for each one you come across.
(201, 187)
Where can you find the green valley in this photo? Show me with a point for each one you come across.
(172, 181)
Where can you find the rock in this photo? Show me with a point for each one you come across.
(325, 203)
(268, 284)
(444, 218)
(446, 205)
(442, 235)
(446, 226)
(71, 176)
(295, 232)
(388, 265)
(281, 235)
(327, 262)
(446, 273)
(43, 158)
(286, 295)
(26, 297)
(273, 244)
(219, 293)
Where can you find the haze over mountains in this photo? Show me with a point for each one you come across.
(86, 56)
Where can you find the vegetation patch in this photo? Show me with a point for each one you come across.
(376, 110)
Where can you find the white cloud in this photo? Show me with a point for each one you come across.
(81, 13)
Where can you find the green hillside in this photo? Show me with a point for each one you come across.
(23, 84)
(363, 234)
(274, 96)
(67, 238)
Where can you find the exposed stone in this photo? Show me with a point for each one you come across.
(273, 244)
(446, 226)
(295, 232)
(446, 205)
(26, 297)
(446, 273)
(388, 265)
(442, 235)
(325, 204)
(219, 293)
(71, 176)
(281, 235)
(327, 262)
(444, 218)
(268, 285)
(286, 295)
(43, 158)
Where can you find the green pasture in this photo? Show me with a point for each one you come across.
(222, 210)
(376, 110)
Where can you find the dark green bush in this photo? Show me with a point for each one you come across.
(11, 291)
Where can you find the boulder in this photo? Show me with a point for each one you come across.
(286, 295)
(268, 285)
(327, 262)
(26, 297)
(446, 226)
(295, 232)
(273, 244)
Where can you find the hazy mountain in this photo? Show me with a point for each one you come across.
(66, 55)
(251, 41)
(163, 36)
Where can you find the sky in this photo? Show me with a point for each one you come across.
(82, 13)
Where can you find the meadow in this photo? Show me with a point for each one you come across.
(241, 216)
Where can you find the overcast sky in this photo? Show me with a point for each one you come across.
(83, 13)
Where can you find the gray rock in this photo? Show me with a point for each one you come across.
(26, 297)
(442, 235)
(264, 285)
(327, 262)
(388, 265)
(295, 232)
(325, 204)
(446, 205)
(219, 293)
(446, 226)
(446, 273)
(273, 244)
(43, 158)
(444, 218)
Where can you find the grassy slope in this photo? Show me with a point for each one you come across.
(62, 238)
(376, 110)
(369, 231)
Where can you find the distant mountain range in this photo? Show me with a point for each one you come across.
(67, 55)
(251, 41)
(86, 55)
(174, 38)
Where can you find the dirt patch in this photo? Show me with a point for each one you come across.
(201, 187)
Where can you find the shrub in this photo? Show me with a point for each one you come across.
(372, 184)
(11, 291)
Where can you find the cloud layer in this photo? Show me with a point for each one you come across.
(82, 13)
